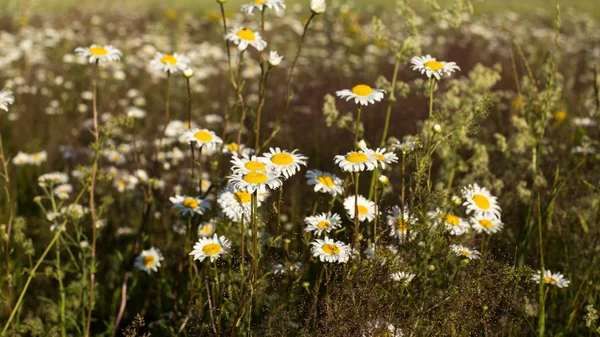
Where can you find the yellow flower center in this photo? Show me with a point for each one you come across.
(255, 166)
(331, 249)
(148, 260)
(36, 156)
(212, 249)
(246, 34)
(206, 229)
(233, 147)
(481, 201)
(282, 159)
(190, 203)
(326, 180)
(402, 225)
(98, 51)
(434, 65)
(203, 136)
(242, 197)
(464, 252)
(256, 178)
(362, 90)
(362, 210)
(115, 157)
(550, 280)
(450, 219)
(323, 224)
(170, 59)
(486, 223)
(357, 157)
(379, 156)
(560, 115)
(258, 2)
(121, 183)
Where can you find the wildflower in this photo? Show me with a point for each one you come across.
(38, 158)
(254, 163)
(74, 211)
(486, 224)
(96, 53)
(170, 63)
(243, 37)
(329, 250)
(556, 279)
(188, 72)
(21, 159)
(53, 178)
(453, 223)
(381, 156)
(202, 138)
(285, 162)
(362, 94)
(325, 182)
(437, 128)
(189, 205)
(381, 328)
(255, 181)
(383, 180)
(63, 191)
(125, 182)
(206, 229)
(261, 4)
(275, 59)
(6, 99)
(323, 222)
(431, 67)
(237, 203)
(479, 200)
(402, 277)
(399, 220)
(149, 260)
(366, 208)
(318, 6)
(464, 251)
(356, 161)
(210, 247)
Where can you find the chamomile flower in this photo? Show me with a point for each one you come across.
(329, 250)
(403, 277)
(261, 4)
(480, 200)
(381, 156)
(362, 94)
(187, 205)
(324, 222)
(6, 99)
(325, 182)
(556, 279)
(211, 248)
(21, 159)
(237, 203)
(243, 37)
(206, 229)
(459, 250)
(454, 224)
(381, 328)
(356, 161)
(400, 222)
(431, 67)
(63, 191)
(285, 162)
(318, 6)
(366, 208)
(254, 181)
(149, 260)
(98, 53)
(39, 157)
(170, 63)
(52, 179)
(275, 59)
(245, 165)
(482, 223)
(202, 138)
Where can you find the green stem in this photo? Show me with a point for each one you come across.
(542, 321)
(61, 288)
(356, 222)
(391, 102)
(358, 111)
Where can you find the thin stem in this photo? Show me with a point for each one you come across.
(431, 85)
(279, 201)
(61, 289)
(10, 206)
(167, 114)
(391, 101)
(189, 120)
(356, 222)
(542, 321)
(241, 100)
(358, 111)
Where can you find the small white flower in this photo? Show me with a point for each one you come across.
(480, 200)
(356, 161)
(212, 248)
(149, 260)
(285, 162)
(362, 94)
(329, 250)
(6, 99)
(189, 205)
(402, 277)
(22, 159)
(551, 278)
(96, 53)
(274, 58)
(325, 182)
(170, 63)
(243, 37)
(202, 138)
(431, 67)
(459, 250)
(366, 208)
(318, 6)
(254, 181)
(324, 222)
(482, 223)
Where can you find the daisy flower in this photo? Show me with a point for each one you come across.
(556, 279)
(380, 155)
(323, 222)
(453, 223)
(21, 159)
(480, 200)
(325, 182)
(210, 247)
(431, 67)
(236, 204)
(6, 99)
(356, 161)
(362, 94)
(245, 165)
(96, 53)
(206, 229)
(482, 223)
(261, 4)
(202, 138)
(318, 6)
(170, 63)
(38, 158)
(63, 191)
(464, 251)
(53, 178)
(243, 37)
(189, 205)
(149, 260)
(400, 221)
(255, 181)
(402, 277)
(329, 250)
(285, 162)
(125, 181)
(381, 328)
(366, 208)
(275, 59)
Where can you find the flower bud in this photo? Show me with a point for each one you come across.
(188, 72)
(384, 180)
(437, 128)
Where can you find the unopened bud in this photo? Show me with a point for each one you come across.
(437, 128)
(188, 72)
(384, 180)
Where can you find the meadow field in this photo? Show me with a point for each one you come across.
(299, 168)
